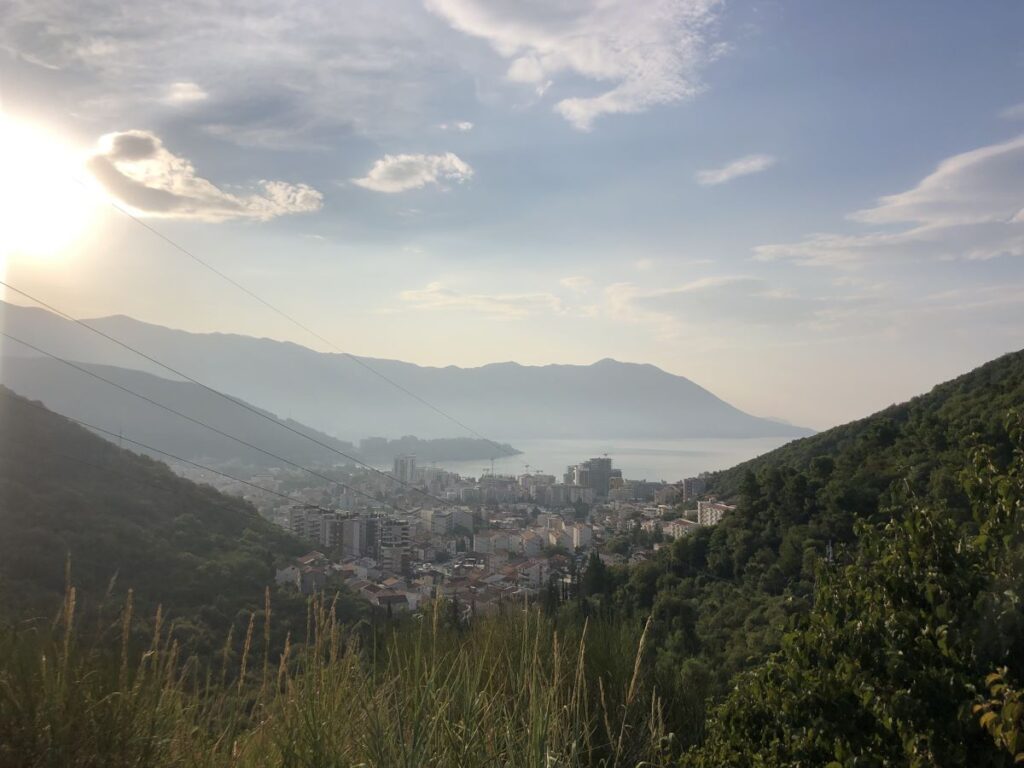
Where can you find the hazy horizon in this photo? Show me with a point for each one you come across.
(813, 211)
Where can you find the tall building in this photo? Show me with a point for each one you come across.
(600, 475)
(316, 525)
(304, 521)
(596, 474)
(442, 522)
(370, 527)
(395, 542)
(694, 487)
(405, 468)
(353, 539)
(330, 529)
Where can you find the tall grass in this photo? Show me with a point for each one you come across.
(510, 690)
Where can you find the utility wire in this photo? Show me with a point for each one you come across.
(198, 422)
(240, 403)
(140, 481)
(252, 294)
(93, 427)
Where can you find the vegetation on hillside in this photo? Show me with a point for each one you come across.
(891, 665)
(860, 607)
(514, 690)
(724, 599)
(124, 521)
(910, 656)
(923, 442)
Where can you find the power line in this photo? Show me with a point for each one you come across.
(252, 294)
(139, 480)
(22, 401)
(240, 403)
(198, 422)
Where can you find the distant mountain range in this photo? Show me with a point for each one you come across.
(76, 394)
(505, 401)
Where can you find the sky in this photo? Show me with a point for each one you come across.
(814, 209)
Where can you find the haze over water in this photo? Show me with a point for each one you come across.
(639, 459)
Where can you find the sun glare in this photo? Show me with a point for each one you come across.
(44, 207)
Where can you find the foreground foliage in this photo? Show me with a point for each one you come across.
(911, 656)
(890, 666)
(514, 690)
(723, 599)
(861, 607)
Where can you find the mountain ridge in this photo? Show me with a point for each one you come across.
(505, 401)
(77, 394)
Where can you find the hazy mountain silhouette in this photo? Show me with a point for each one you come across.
(504, 401)
(72, 393)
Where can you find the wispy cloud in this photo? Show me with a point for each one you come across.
(651, 51)
(1015, 112)
(505, 306)
(399, 173)
(970, 207)
(182, 94)
(462, 126)
(136, 168)
(576, 283)
(714, 307)
(743, 166)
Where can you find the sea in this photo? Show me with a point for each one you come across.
(668, 460)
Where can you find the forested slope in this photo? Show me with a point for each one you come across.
(724, 598)
(123, 521)
(924, 435)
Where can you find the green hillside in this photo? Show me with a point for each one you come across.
(925, 436)
(723, 599)
(860, 607)
(122, 521)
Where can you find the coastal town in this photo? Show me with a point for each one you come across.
(415, 533)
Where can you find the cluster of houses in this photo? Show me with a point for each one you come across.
(468, 581)
(481, 543)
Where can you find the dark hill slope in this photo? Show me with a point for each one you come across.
(125, 521)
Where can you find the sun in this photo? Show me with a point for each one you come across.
(46, 205)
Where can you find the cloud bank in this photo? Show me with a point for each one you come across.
(136, 168)
(281, 75)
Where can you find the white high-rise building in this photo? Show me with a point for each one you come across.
(405, 468)
(394, 544)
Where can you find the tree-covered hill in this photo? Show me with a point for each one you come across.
(123, 521)
(860, 607)
(724, 598)
(923, 435)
